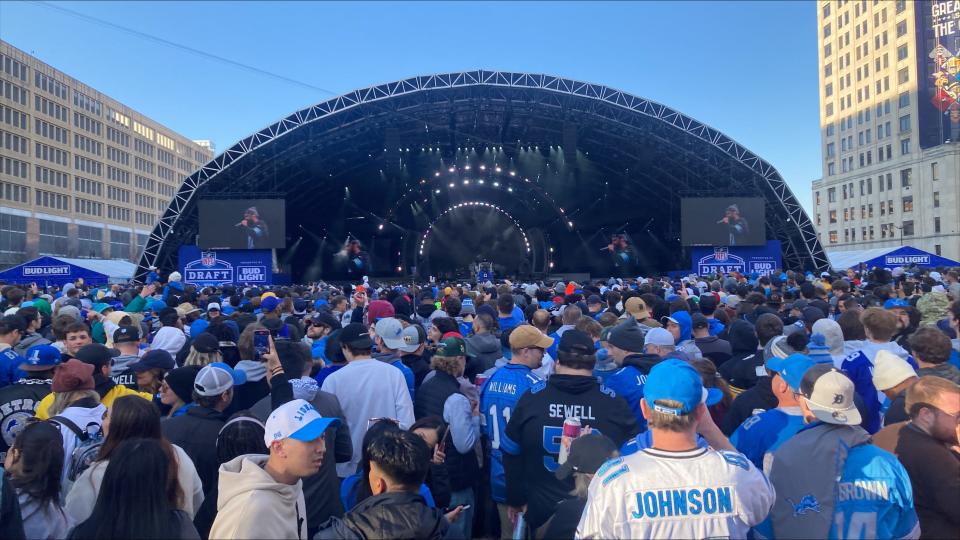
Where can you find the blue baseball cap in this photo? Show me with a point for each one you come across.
(791, 369)
(896, 303)
(239, 376)
(676, 380)
(41, 358)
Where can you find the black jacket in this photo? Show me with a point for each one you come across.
(18, 402)
(196, 432)
(390, 515)
(716, 349)
(643, 361)
(539, 417)
(246, 395)
(462, 469)
(419, 365)
(758, 398)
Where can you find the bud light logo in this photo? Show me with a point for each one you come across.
(46, 270)
(906, 260)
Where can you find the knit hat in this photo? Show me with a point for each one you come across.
(833, 335)
(889, 370)
(73, 375)
(180, 380)
(627, 336)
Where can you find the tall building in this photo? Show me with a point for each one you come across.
(889, 125)
(81, 175)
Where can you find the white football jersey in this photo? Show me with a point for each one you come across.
(700, 493)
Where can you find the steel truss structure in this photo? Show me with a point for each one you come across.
(702, 154)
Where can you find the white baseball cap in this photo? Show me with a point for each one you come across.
(658, 336)
(890, 370)
(298, 420)
(213, 306)
(829, 395)
(216, 378)
(390, 330)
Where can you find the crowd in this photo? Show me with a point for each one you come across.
(789, 405)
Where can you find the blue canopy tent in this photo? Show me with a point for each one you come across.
(58, 271)
(891, 257)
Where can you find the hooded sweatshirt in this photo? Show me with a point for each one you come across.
(85, 414)
(686, 344)
(834, 338)
(252, 504)
(485, 348)
(170, 339)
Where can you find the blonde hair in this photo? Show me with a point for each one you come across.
(926, 391)
(202, 359)
(446, 364)
(62, 400)
(670, 422)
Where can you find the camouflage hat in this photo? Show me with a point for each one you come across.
(451, 347)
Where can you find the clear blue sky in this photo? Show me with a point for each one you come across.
(746, 68)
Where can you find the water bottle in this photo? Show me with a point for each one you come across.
(518, 528)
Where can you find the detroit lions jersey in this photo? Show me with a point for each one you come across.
(764, 431)
(645, 440)
(498, 400)
(859, 367)
(700, 493)
(628, 383)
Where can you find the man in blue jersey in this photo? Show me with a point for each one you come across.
(498, 399)
(635, 354)
(765, 431)
(831, 482)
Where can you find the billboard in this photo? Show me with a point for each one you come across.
(761, 260)
(242, 223)
(204, 268)
(938, 71)
(722, 221)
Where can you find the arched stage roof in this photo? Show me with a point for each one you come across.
(567, 158)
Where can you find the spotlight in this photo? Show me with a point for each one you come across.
(498, 169)
(480, 182)
(399, 269)
(466, 182)
(467, 167)
(570, 224)
(437, 191)
(452, 184)
(380, 227)
(513, 173)
(551, 250)
(483, 167)
(496, 184)
(436, 173)
(510, 189)
(451, 169)
(551, 264)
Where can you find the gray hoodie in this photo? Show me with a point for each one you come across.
(251, 504)
(485, 348)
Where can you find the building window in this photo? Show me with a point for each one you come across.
(902, 52)
(827, 72)
(934, 173)
(903, 76)
(90, 241)
(936, 249)
(936, 224)
(119, 244)
(142, 242)
(936, 199)
(827, 50)
(53, 238)
(831, 130)
(908, 228)
(906, 175)
(13, 238)
(833, 216)
(905, 123)
(832, 194)
(828, 110)
(869, 186)
(901, 28)
(833, 237)
(901, 5)
(904, 147)
(908, 203)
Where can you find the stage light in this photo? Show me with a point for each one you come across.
(570, 224)
(452, 184)
(561, 211)
(498, 169)
(380, 227)
(437, 191)
(480, 182)
(467, 167)
(513, 173)
(483, 167)
(551, 249)
(551, 264)
(451, 169)
(399, 269)
(496, 184)
(436, 173)
(510, 189)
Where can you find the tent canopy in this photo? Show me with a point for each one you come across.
(57, 271)
(888, 257)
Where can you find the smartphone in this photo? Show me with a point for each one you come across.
(261, 341)
(442, 444)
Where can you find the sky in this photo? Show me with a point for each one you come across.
(748, 69)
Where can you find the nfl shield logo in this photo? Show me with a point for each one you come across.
(208, 258)
(720, 254)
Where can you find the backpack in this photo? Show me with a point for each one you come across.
(84, 452)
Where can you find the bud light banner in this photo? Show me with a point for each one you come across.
(909, 256)
(762, 260)
(226, 266)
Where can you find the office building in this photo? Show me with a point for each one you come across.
(81, 175)
(890, 125)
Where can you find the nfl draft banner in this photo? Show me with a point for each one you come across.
(762, 260)
(222, 267)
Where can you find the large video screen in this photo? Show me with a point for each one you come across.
(726, 221)
(242, 223)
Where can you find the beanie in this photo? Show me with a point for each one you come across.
(180, 380)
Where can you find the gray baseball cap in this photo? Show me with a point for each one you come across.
(829, 395)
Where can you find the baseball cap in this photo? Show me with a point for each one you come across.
(467, 307)
(896, 303)
(297, 420)
(668, 319)
(659, 336)
(451, 347)
(356, 335)
(269, 303)
(699, 321)
(635, 306)
(525, 336)
(812, 314)
(390, 331)
(324, 318)
(100, 307)
(380, 309)
(41, 358)
(791, 368)
(126, 334)
(829, 395)
(205, 342)
(95, 354)
(890, 370)
(594, 299)
(587, 454)
(72, 375)
(413, 336)
(577, 342)
(675, 380)
(217, 378)
(213, 306)
(154, 358)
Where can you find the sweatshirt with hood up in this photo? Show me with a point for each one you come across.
(251, 504)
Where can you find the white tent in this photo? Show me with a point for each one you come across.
(117, 271)
(841, 260)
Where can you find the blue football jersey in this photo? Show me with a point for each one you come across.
(628, 383)
(645, 440)
(498, 399)
(764, 432)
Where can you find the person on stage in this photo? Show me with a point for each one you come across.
(352, 260)
(622, 254)
(254, 229)
(736, 225)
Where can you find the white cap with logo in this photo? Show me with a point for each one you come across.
(298, 420)
(829, 395)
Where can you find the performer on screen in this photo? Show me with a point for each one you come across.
(737, 226)
(622, 254)
(254, 229)
(352, 260)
